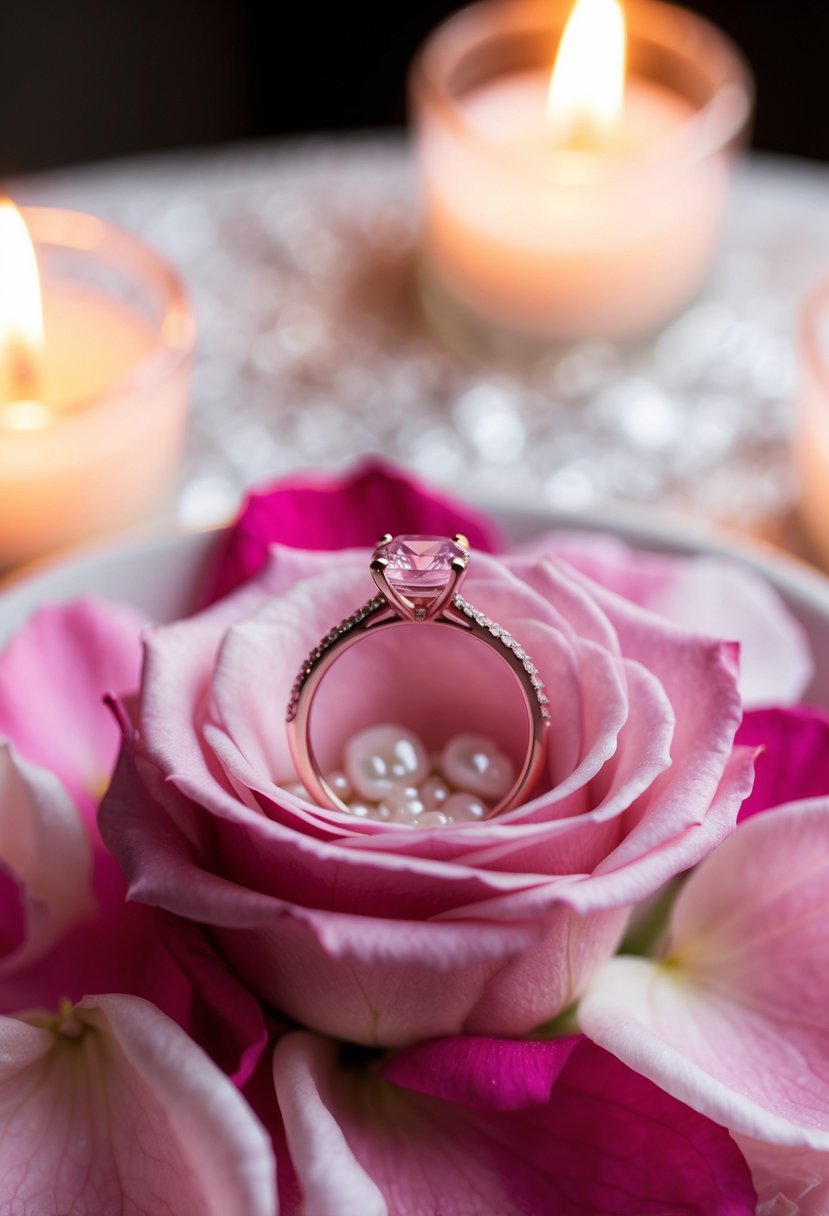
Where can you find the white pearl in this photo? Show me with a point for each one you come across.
(341, 786)
(464, 808)
(434, 793)
(360, 810)
(473, 763)
(382, 757)
(405, 802)
(433, 819)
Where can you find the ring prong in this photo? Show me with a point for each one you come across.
(461, 540)
(458, 564)
(378, 563)
(385, 539)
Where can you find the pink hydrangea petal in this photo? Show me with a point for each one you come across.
(607, 1142)
(53, 676)
(710, 595)
(733, 1022)
(324, 512)
(112, 1108)
(793, 760)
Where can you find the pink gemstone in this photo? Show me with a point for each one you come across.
(419, 567)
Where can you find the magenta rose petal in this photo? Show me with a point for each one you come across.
(793, 759)
(606, 1141)
(54, 674)
(733, 1019)
(110, 1107)
(352, 511)
(489, 1074)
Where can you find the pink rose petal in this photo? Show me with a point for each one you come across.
(351, 511)
(733, 1020)
(709, 595)
(606, 1142)
(53, 677)
(111, 1108)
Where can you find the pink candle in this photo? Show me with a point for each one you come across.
(93, 390)
(592, 207)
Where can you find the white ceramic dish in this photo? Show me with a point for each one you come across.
(162, 576)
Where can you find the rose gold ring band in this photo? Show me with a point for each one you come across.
(389, 608)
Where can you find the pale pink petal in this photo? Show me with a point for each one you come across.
(607, 1142)
(789, 1181)
(733, 1019)
(44, 845)
(53, 677)
(710, 595)
(352, 510)
(724, 600)
(110, 1107)
(331, 1178)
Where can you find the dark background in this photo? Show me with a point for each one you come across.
(88, 79)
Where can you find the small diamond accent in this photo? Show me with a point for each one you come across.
(508, 641)
(323, 646)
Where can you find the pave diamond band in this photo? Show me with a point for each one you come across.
(417, 579)
(506, 639)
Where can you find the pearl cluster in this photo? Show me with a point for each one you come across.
(388, 775)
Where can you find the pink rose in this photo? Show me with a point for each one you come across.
(379, 934)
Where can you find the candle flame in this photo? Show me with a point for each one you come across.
(21, 314)
(588, 81)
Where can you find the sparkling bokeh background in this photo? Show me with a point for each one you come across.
(313, 349)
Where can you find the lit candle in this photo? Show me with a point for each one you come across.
(588, 203)
(95, 348)
(812, 419)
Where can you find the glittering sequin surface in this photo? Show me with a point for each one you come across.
(312, 347)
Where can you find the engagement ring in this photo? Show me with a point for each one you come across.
(417, 580)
